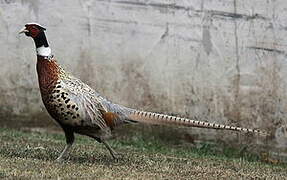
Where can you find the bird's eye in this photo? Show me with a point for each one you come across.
(34, 31)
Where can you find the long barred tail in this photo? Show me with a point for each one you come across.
(155, 118)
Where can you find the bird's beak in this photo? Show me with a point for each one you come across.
(23, 30)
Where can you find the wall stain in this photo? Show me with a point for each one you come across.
(206, 36)
(215, 13)
(237, 100)
(268, 49)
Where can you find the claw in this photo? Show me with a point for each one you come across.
(59, 159)
(114, 154)
(64, 152)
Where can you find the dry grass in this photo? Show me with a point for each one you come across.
(32, 154)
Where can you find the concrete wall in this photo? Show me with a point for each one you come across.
(220, 61)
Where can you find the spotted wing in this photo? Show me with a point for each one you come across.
(88, 104)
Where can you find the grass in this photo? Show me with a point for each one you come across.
(32, 155)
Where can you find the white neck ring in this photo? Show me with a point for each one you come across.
(44, 51)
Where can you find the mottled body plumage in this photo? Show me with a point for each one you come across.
(71, 102)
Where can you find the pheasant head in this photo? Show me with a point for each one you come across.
(36, 31)
(32, 29)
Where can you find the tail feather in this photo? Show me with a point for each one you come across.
(155, 118)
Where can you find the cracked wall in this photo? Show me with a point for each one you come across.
(219, 61)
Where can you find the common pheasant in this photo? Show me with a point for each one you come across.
(80, 109)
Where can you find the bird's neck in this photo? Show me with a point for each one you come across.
(42, 46)
(48, 73)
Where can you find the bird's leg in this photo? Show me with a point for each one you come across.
(63, 153)
(112, 152)
(69, 139)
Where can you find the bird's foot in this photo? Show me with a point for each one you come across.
(117, 156)
(60, 159)
(64, 153)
